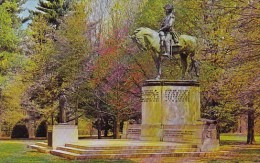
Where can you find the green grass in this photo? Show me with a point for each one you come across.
(236, 139)
(239, 151)
(16, 151)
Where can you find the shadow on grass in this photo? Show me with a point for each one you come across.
(231, 142)
(249, 151)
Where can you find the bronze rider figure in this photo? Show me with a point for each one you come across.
(166, 31)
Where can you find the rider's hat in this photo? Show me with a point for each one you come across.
(168, 7)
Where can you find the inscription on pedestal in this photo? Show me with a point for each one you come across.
(150, 96)
(177, 133)
(171, 95)
(134, 131)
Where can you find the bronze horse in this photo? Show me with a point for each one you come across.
(147, 38)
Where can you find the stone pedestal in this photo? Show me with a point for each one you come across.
(59, 135)
(171, 113)
(168, 103)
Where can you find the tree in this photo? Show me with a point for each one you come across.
(74, 51)
(59, 63)
(150, 13)
(243, 61)
(39, 97)
(53, 10)
(12, 64)
(226, 31)
(109, 71)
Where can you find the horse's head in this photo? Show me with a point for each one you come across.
(138, 38)
(146, 38)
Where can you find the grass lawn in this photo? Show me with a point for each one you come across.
(16, 151)
(236, 151)
(233, 138)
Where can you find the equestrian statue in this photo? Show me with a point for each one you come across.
(166, 43)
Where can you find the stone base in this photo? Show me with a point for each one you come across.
(145, 151)
(151, 132)
(203, 134)
(183, 133)
(171, 113)
(131, 131)
(59, 135)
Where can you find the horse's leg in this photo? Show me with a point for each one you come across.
(183, 64)
(194, 64)
(157, 60)
(158, 67)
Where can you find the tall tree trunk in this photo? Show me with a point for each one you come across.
(76, 111)
(0, 120)
(251, 125)
(106, 128)
(0, 129)
(218, 131)
(99, 128)
(118, 129)
(52, 118)
(106, 132)
(115, 128)
(99, 120)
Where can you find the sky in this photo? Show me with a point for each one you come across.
(29, 5)
(97, 5)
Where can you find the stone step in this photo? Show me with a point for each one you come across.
(130, 147)
(65, 154)
(122, 151)
(73, 156)
(42, 144)
(40, 148)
